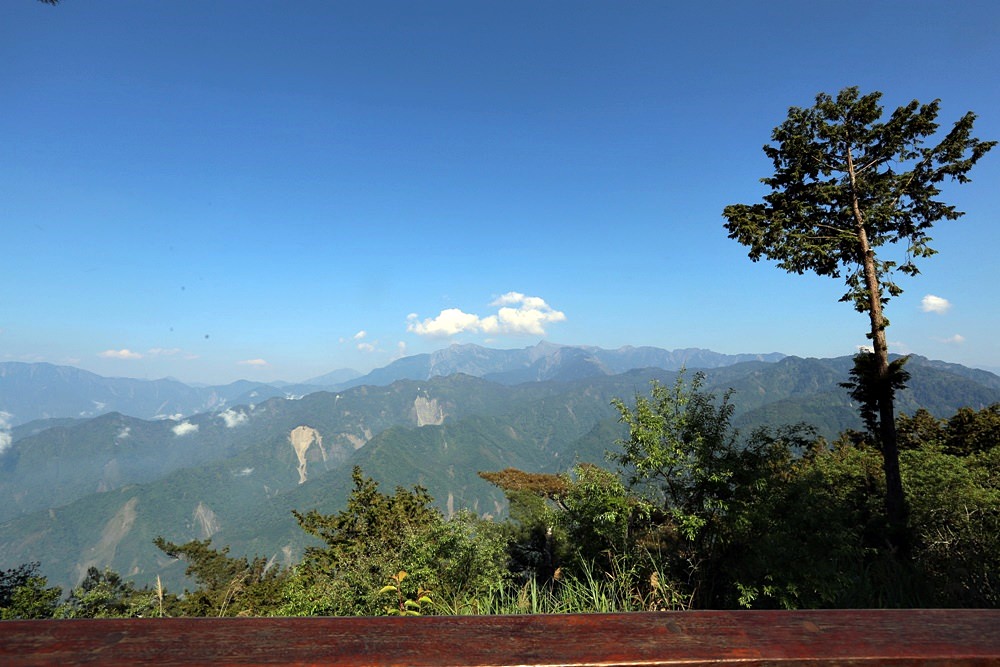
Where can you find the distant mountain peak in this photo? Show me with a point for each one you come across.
(545, 360)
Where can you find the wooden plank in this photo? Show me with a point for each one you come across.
(815, 638)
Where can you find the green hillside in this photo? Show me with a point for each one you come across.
(97, 492)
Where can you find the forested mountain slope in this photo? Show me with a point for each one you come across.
(95, 492)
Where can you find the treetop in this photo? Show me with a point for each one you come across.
(841, 173)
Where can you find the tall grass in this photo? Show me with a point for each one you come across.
(622, 588)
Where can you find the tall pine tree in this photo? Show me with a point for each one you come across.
(845, 183)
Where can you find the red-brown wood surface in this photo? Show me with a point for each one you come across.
(840, 637)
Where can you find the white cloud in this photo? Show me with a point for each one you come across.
(124, 353)
(361, 334)
(935, 304)
(125, 432)
(957, 339)
(6, 439)
(400, 349)
(529, 317)
(185, 428)
(518, 314)
(234, 418)
(515, 298)
(366, 347)
(253, 362)
(449, 322)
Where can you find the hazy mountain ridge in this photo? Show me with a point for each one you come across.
(38, 391)
(547, 361)
(30, 392)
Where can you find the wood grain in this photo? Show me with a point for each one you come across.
(815, 638)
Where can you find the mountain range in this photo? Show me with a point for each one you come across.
(79, 490)
(36, 391)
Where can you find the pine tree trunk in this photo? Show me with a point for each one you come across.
(895, 501)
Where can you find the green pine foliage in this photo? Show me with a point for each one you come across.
(227, 586)
(25, 594)
(104, 594)
(376, 537)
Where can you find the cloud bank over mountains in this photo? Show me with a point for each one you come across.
(518, 314)
(234, 418)
(184, 428)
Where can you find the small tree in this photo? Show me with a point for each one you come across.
(846, 183)
(25, 594)
(228, 586)
(106, 595)
(683, 452)
(373, 525)
(364, 545)
(586, 519)
(536, 541)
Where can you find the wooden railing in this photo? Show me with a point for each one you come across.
(814, 638)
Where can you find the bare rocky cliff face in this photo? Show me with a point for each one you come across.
(206, 521)
(115, 530)
(428, 411)
(302, 439)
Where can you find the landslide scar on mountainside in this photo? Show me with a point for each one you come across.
(114, 531)
(428, 411)
(206, 520)
(302, 438)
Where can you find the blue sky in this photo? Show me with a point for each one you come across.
(273, 190)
